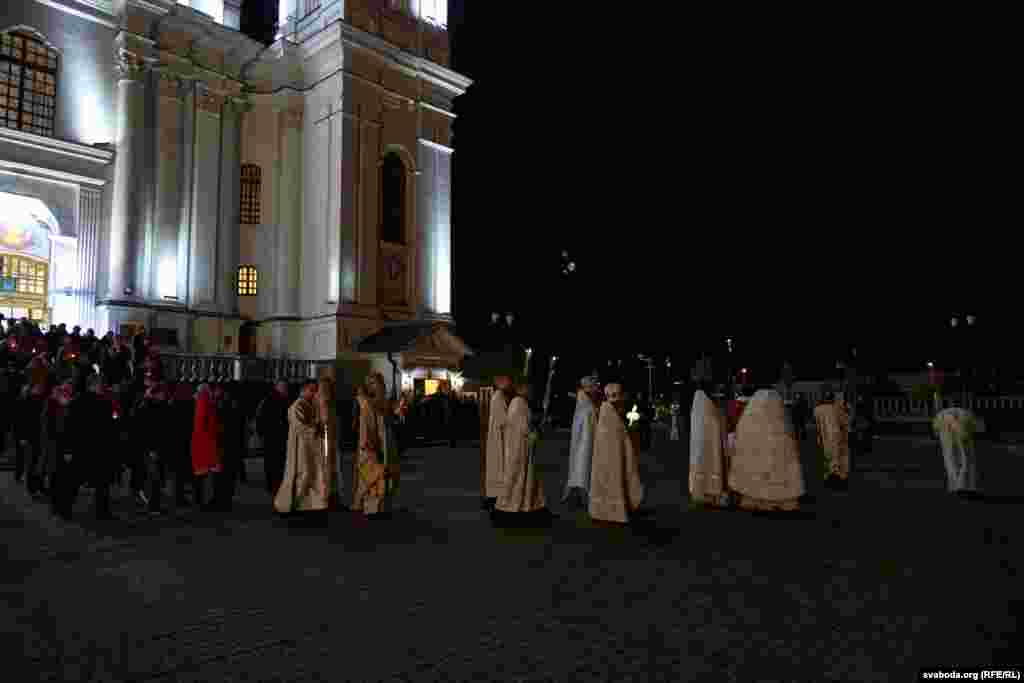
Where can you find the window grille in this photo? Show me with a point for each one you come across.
(28, 83)
(251, 182)
(247, 276)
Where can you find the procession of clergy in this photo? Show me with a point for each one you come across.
(747, 456)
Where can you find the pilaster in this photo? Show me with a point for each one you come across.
(128, 215)
(228, 229)
(289, 204)
(168, 196)
(90, 217)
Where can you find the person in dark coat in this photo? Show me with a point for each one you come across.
(150, 441)
(181, 417)
(93, 440)
(232, 444)
(272, 424)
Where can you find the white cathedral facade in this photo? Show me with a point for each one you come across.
(158, 168)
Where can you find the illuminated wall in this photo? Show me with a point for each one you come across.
(85, 86)
(434, 217)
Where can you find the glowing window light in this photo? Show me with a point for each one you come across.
(247, 278)
(167, 278)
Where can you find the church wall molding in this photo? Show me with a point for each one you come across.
(56, 146)
(436, 145)
(95, 11)
(49, 174)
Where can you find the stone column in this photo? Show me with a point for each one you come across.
(228, 230)
(127, 220)
(167, 195)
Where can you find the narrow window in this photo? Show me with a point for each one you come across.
(28, 83)
(251, 190)
(247, 276)
(392, 195)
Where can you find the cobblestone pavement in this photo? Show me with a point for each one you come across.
(862, 586)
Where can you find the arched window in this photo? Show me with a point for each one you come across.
(247, 276)
(28, 83)
(392, 195)
(251, 181)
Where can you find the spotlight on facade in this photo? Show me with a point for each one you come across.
(128, 291)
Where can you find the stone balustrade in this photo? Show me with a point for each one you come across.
(225, 367)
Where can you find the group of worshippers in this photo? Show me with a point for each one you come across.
(603, 464)
(306, 481)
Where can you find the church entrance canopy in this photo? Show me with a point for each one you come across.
(418, 345)
(26, 225)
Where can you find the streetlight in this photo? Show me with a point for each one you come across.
(650, 374)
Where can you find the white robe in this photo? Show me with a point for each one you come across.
(957, 453)
(495, 454)
(523, 490)
(581, 445)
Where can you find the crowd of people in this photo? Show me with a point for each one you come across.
(743, 452)
(89, 412)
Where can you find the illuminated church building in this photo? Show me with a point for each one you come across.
(160, 168)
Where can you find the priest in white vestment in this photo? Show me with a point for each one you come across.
(581, 444)
(616, 491)
(306, 486)
(832, 419)
(764, 471)
(955, 427)
(707, 452)
(495, 455)
(523, 491)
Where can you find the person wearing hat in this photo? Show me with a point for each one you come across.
(581, 444)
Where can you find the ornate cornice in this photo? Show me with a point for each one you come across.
(436, 145)
(292, 118)
(209, 102)
(55, 146)
(129, 66)
(99, 11)
(50, 174)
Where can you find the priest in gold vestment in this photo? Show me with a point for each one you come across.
(307, 476)
(616, 491)
(377, 457)
(832, 419)
(494, 463)
(327, 406)
(764, 471)
(523, 491)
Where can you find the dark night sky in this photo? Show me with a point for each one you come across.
(800, 190)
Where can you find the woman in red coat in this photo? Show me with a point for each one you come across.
(205, 439)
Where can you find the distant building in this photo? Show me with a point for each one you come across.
(160, 168)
